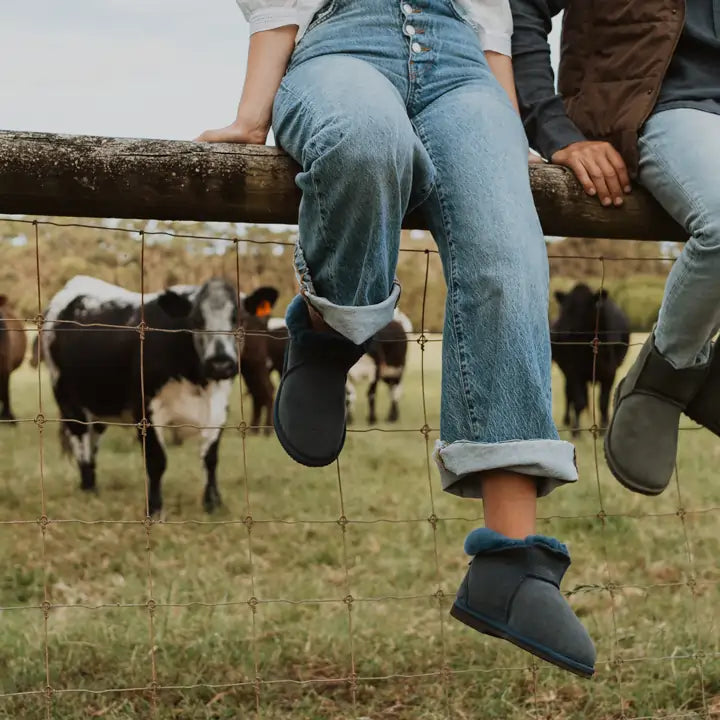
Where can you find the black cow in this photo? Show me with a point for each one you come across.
(582, 314)
(189, 360)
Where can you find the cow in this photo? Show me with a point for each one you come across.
(277, 344)
(385, 361)
(584, 313)
(13, 345)
(91, 342)
(255, 369)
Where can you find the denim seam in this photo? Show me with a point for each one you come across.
(322, 214)
(701, 212)
(411, 68)
(311, 148)
(452, 286)
(431, 186)
(657, 157)
(453, 8)
(321, 16)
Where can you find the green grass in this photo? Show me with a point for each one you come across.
(644, 579)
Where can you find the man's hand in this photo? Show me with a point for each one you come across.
(238, 132)
(599, 167)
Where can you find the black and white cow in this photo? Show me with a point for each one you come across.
(189, 359)
(385, 361)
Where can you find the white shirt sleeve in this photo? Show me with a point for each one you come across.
(269, 14)
(493, 19)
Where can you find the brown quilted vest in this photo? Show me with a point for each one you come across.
(615, 54)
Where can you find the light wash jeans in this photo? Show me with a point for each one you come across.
(386, 110)
(679, 156)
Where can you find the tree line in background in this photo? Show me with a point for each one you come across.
(633, 272)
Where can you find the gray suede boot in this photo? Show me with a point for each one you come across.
(641, 442)
(512, 591)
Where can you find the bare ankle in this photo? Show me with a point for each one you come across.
(510, 501)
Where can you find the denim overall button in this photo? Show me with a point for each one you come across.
(410, 30)
(407, 9)
(415, 47)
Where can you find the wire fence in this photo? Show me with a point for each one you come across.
(608, 584)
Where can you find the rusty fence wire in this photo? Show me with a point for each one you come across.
(608, 583)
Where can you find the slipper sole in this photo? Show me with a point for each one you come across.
(484, 625)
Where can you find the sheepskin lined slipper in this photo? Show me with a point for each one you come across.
(512, 591)
(641, 442)
(310, 403)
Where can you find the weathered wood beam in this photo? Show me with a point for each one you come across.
(87, 176)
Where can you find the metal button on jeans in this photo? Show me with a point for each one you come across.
(410, 30)
(415, 47)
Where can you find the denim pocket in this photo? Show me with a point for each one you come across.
(323, 14)
(460, 15)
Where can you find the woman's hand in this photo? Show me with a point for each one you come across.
(237, 132)
(268, 57)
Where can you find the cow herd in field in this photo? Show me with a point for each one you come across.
(165, 363)
(195, 341)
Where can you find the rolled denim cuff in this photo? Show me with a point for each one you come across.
(356, 323)
(551, 462)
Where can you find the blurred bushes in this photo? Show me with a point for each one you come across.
(633, 272)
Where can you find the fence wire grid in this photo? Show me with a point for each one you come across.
(540, 703)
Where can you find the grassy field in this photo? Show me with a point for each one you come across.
(273, 606)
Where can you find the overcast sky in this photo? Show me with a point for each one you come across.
(127, 68)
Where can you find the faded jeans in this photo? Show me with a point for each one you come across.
(679, 154)
(387, 111)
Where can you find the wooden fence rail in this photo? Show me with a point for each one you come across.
(87, 176)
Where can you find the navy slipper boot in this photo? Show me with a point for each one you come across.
(310, 407)
(512, 591)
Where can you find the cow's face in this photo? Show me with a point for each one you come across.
(579, 309)
(214, 317)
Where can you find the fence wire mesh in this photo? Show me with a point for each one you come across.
(605, 582)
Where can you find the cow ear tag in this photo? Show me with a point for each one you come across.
(263, 309)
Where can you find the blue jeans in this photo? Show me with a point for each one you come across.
(679, 152)
(386, 112)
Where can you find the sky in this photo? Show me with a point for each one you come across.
(127, 68)
(122, 68)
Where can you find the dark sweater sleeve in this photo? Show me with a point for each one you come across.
(546, 123)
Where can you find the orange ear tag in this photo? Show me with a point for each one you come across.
(263, 309)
